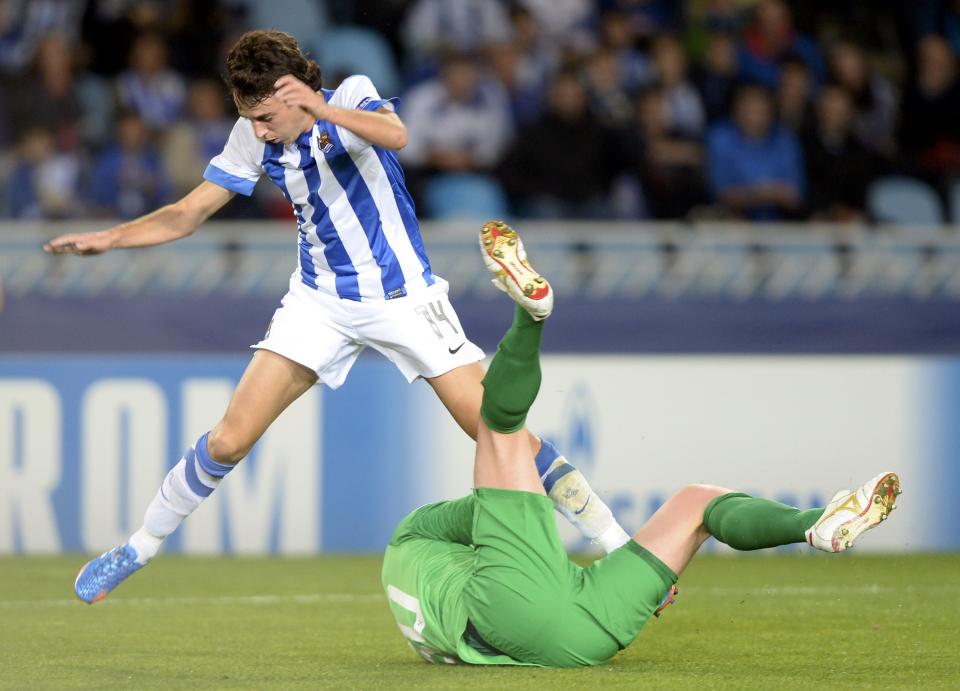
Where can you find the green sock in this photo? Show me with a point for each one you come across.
(746, 523)
(511, 384)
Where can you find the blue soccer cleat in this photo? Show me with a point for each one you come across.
(101, 575)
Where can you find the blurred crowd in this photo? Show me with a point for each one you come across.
(612, 109)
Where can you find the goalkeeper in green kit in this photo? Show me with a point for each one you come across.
(485, 579)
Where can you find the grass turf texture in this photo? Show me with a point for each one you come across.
(792, 622)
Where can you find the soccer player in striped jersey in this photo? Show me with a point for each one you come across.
(363, 279)
(485, 579)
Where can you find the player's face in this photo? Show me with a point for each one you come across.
(275, 122)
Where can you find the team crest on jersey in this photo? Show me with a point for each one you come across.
(324, 143)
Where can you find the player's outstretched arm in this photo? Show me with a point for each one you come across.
(381, 128)
(166, 224)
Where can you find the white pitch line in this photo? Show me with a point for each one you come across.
(310, 599)
(809, 590)
(330, 598)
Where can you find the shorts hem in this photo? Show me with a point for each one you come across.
(496, 492)
(478, 356)
(665, 572)
(262, 345)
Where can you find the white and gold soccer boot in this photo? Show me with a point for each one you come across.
(852, 512)
(504, 256)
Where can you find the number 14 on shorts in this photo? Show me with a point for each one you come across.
(435, 315)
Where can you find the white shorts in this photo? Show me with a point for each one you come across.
(419, 333)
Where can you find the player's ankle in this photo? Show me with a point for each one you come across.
(145, 544)
(614, 537)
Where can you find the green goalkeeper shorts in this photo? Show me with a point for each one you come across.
(528, 600)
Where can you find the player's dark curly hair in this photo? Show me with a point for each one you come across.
(260, 58)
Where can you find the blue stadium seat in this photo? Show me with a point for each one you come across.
(97, 108)
(904, 201)
(356, 50)
(305, 19)
(954, 201)
(465, 195)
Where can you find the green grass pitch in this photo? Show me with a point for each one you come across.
(765, 622)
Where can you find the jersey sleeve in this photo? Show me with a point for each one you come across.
(359, 93)
(237, 168)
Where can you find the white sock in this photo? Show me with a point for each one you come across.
(145, 544)
(575, 499)
(184, 488)
(613, 538)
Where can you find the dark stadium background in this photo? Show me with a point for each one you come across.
(611, 114)
(748, 210)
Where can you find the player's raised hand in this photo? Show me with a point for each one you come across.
(292, 92)
(80, 243)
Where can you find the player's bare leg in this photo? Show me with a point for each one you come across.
(678, 528)
(504, 461)
(675, 531)
(268, 386)
(504, 458)
(461, 391)
(270, 383)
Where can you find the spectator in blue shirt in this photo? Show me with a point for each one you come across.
(755, 166)
(769, 39)
(128, 177)
(149, 86)
(44, 181)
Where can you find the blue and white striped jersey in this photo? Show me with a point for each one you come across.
(359, 238)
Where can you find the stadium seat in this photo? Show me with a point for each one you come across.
(96, 103)
(954, 201)
(305, 19)
(356, 50)
(904, 201)
(465, 195)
